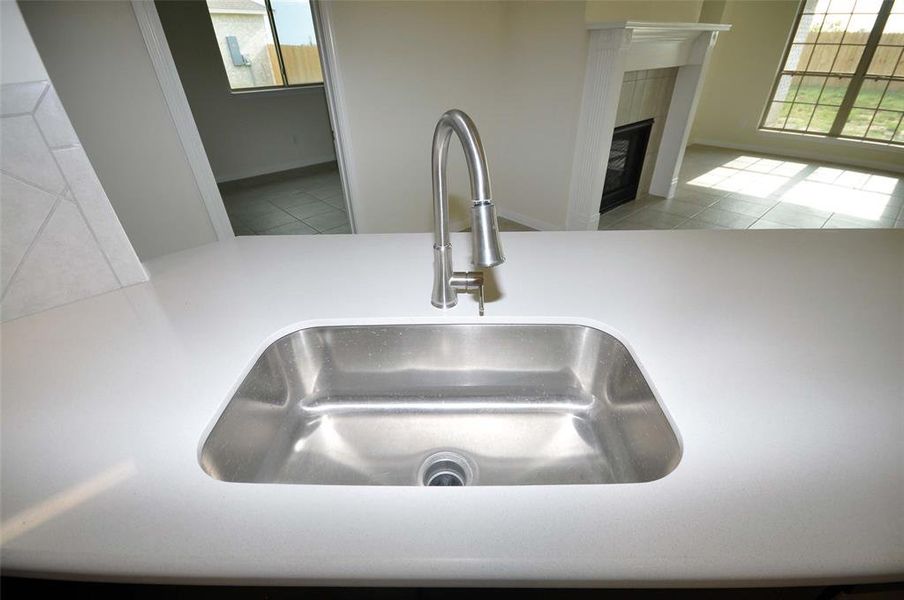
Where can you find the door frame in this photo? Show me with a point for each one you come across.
(180, 111)
(335, 100)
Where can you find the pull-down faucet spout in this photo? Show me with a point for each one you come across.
(485, 247)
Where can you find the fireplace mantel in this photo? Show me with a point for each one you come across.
(617, 47)
(659, 29)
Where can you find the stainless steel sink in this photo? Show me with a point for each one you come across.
(443, 405)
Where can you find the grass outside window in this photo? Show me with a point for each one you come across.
(843, 72)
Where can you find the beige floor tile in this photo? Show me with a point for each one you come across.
(293, 228)
(764, 224)
(261, 223)
(742, 207)
(327, 220)
(306, 211)
(724, 218)
(279, 207)
(797, 216)
(655, 219)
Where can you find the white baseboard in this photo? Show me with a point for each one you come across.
(527, 221)
(266, 170)
(891, 166)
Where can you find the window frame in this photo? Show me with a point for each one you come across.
(277, 47)
(857, 79)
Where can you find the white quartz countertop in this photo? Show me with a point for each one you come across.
(779, 356)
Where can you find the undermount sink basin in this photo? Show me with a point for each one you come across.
(443, 405)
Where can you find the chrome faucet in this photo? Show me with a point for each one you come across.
(485, 248)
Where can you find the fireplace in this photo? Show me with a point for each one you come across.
(626, 154)
(615, 48)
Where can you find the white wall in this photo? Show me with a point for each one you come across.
(99, 63)
(60, 240)
(244, 134)
(673, 11)
(541, 77)
(402, 65)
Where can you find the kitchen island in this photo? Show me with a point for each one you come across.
(778, 356)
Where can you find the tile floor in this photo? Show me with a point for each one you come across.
(305, 205)
(727, 189)
(718, 189)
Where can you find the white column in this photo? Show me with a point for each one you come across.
(680, 118)
(602, 86)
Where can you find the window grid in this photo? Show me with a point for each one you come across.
(824, 65)
(897, 135)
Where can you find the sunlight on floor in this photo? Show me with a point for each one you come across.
(847, 192)
(848, 201)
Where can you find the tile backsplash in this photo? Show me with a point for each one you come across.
(60, 240)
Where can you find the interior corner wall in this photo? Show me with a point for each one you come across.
(249, 133)
(738, 83)
(99, 64)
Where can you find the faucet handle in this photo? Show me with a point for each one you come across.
(480, 298)
(469, 281)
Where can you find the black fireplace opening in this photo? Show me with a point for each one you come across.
(629, 147)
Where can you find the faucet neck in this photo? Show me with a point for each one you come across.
(458, 122)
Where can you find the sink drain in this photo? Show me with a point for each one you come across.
(445, 469)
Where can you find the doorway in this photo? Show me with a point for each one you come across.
(254, 76)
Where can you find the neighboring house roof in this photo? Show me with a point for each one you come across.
(244, 6)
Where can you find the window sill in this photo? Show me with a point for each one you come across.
(839, 142)
(277, 91)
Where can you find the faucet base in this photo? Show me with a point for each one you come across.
(447, 283)
(444, 294)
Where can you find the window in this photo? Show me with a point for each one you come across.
(843, 72)
(266, 43)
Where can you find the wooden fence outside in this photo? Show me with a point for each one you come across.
(302, 64)
(885, 61)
